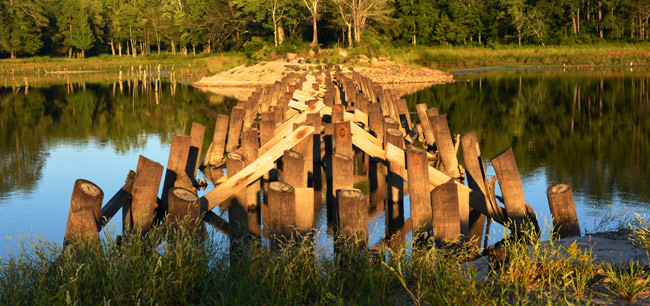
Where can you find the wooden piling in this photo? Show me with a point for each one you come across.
(85, 208)
(281, 219)
(419, 190)
(445, 145)
(250, 150)
(305, 209)
(196, 143)
(234, 128)
(343, 138)
(218, 146)
(238, 208)
(444, 203)
(475, 177)
(315, 121)
(294, 169)
(563, 210)
(394, 187)
(424, 122)
(506, 170)
(184, 207)
(352, 221)
(139, 214)
(176, 166)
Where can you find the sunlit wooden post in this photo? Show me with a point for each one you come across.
(475, 176)
(184, 207)
(85, 207)
(139, 214)
(176, 166)
(563, 210)
(419, 191)
(394, 186)
(234, 128)
(376, 170)
(281, 219)
(446, 222)
(506, 170)
(250, 150)
(196, 143)
(238, 208)
(353, 216)
(445, 145)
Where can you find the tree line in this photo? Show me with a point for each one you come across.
(134, 27)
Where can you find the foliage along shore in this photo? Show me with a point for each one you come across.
(142, 269)
(443, 58)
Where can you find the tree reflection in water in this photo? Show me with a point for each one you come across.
(588, 128)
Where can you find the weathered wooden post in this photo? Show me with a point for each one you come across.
(139, 214)
(445, 145)
(234, 128)
(444, 202)
(250, 150)
(184, 207)
(176, 166)
(343, 138)
(196, 142)
(395, 187)
(342, 177)
(563, 210)
(506, 170)
(294, 164)
(419, 190)
(281, 219)
(475, 176)
(352, 221)
(85, 207)
(238, 208)
(424, 122)
(314, 120)
(376, 170)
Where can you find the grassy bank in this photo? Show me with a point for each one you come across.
(474, 57)
(446, 58)
(190, 272)
(201, 64)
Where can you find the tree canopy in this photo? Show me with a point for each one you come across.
(132, 27)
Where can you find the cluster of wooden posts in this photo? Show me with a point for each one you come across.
(304, 141)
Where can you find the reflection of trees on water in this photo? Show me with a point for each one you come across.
(586, 128)
(30, 123)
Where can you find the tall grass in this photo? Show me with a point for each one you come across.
(474, 57)
(177, 268)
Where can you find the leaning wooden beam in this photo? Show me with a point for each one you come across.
(139, 214)
(121, 197)
(506, 170)
(263, 164)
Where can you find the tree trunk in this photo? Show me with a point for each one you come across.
(600, 18)
(13, 55)
(70, 52)
(112, 47)
(578, 21)
(193, 50)
(158, 41)
(280, 34)
(414, 40)
(575, 28)
(173, 47)
(119, 48)
(134, 51)
(83, 53)
(349, 35)
(275, 31)
(314, 41)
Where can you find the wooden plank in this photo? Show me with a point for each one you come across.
(263, 164)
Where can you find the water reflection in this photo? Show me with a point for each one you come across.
(123, 114)
(588, 128)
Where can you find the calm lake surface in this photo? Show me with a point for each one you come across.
(588, 128)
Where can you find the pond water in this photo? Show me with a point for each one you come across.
(588, 128)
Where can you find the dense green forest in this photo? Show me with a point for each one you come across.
(75, 28)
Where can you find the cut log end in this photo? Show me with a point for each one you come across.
(281, 187)
(185, 194)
